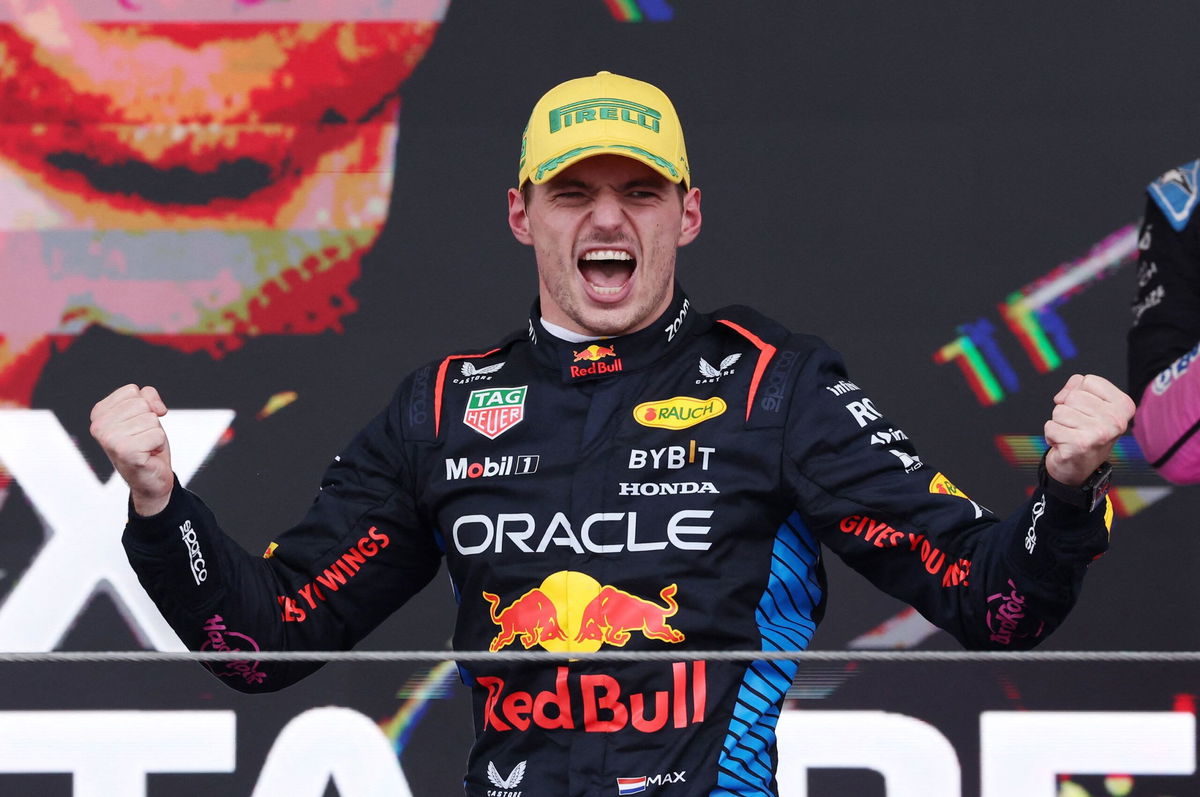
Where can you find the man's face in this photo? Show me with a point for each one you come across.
(604, 233)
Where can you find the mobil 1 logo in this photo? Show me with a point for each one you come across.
(515, 465)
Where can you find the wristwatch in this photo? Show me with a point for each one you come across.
(1088, 495)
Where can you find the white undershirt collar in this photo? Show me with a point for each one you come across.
(562, 333)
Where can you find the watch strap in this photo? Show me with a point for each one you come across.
(1087, 496)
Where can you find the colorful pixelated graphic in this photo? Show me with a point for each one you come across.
(967, 351)
(1106, 786)
(640, 10)
(192, 174)
(817, 682)
(438, 682)
(1030, 315)
(1024, 452)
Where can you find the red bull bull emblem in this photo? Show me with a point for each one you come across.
(614, 613)
(533, 617)
(594, 354)
(571, 611)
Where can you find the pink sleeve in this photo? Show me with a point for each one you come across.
(1167, 420)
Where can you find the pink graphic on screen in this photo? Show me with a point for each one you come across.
(193, 174)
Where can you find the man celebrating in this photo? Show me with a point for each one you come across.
(627, 472)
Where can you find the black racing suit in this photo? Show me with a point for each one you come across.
(666, 490)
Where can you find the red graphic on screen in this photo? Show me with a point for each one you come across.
(193, 175)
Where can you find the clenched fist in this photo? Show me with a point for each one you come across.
(1090, 413)
(126, 425)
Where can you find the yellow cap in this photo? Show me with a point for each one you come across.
(605, 114)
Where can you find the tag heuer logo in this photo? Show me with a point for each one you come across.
(493, 411)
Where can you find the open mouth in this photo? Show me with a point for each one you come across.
(607, 272)
(203, 114)
(177, 185)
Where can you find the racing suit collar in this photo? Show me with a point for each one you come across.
(580, 362)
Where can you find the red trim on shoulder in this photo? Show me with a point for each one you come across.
(441, 381)
(765, 352)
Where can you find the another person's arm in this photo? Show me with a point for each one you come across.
(1164, 340)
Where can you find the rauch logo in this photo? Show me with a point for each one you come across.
(678, 412)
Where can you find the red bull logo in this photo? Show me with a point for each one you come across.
(593, 353)
(605, 705)
(571, 611)
(533, 617)
(614, 613)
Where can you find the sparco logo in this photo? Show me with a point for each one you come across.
(503, 466)
(1031, 535)
(773, 393)
(188, 534)
(418, 404)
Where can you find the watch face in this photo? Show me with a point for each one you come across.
(1088, 495)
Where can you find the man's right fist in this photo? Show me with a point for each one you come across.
(126, 425)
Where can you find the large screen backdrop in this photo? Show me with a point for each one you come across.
(273, 210)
